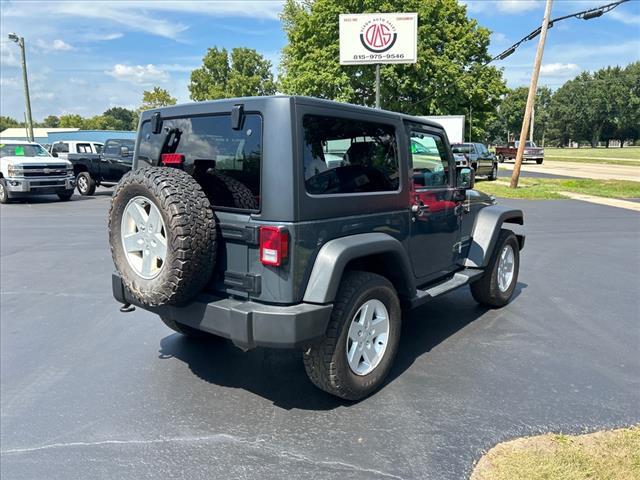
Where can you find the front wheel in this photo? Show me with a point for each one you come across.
(498, 283)
(4, 194)
(86, 184)
(66, 195)
(494, 172)
(361, 342)
(539, 161)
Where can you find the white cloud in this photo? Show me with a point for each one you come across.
(8, 54)
(503, 6)
(625, 17)
(558, 68)
(102, 37)
(138, 74)
(55, 46)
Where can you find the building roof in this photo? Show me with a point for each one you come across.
(37, 132)
(21, 142)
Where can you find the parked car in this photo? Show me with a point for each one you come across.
(480, 158)
(219, 230)
(27, 169)
(62, 149)
(105, 168)
(531, 152)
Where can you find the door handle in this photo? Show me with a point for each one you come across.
(419, 209)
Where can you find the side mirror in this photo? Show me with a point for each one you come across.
(466, 178)
(124, 151)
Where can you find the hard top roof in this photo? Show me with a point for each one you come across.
(183, 109)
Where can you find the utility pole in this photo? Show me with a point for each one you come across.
(533, 117)
(532, 95)
(20, 41)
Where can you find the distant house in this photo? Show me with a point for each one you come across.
(47, 136)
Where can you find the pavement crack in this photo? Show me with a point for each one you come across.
(221, 437)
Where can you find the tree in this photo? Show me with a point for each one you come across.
(119, 118)
(158, 97)
(246, 74)
(8, 122)
(51, 122)
(511, 111)
(450, 77)
(71, 120)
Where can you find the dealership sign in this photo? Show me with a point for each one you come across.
(378, 38)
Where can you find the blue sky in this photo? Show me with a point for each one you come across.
(86, 56)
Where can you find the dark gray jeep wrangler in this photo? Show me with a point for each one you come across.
(302, 223)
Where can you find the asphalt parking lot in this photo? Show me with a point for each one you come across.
(88, 392)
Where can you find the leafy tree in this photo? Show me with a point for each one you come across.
(246, 73)
(450, 75)
(71, 121)
(158, 97)
(511, 111)
(119, 118)
(8, 122)
(51, 122)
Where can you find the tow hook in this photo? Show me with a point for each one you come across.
(127, 307)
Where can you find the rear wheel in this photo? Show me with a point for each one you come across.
(498, 283)
(500, 159)
(186, 330)
(86, 185)
(361, 342)
(4, 193)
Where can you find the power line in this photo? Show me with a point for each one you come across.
(584, 15)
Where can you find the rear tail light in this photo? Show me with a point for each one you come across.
(172, 159)
(274, 245)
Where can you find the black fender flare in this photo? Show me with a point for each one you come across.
(486, 230)
(334, 256)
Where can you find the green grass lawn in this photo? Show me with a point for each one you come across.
(547, 188)
(613, 455)
(617, 156)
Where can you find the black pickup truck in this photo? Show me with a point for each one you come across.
(107, 168)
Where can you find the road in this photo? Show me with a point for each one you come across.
(579, 170)
(88, 392)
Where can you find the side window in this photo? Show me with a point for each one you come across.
(61, 147)
(430, 160)
(97, 147)
(112, 147)
(349, 156)
(83, 148)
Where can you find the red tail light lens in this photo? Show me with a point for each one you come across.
(274, 245)
(172, 159)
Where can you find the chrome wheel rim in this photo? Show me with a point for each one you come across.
(82, 184)
(144, 237)
(506, 267)
(368, 337)
(2, 191)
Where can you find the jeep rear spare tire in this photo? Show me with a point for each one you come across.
(162, 234)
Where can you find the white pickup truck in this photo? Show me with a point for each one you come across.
(62, 149)
(27, 169)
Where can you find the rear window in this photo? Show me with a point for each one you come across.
(210, 141)
(343, 156)
(462, 148)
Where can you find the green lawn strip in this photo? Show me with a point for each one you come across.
(612, 455)
(631, 153)
(548, 188)
(626, 163)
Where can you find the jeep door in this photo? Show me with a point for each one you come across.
(435, 229)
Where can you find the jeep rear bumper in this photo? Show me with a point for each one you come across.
(248, 324)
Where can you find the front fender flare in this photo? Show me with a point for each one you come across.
(486, 230)
(334, 256)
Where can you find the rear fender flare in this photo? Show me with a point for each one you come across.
(334, 256)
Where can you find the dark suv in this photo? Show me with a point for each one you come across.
(303, 223)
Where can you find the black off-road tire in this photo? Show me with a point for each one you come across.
(4, 193)
(226, 191)
(326, 361)
(186, 330)
(90, 188)
(190, 229)
(66, 196)
(485, 291)
(500, 159)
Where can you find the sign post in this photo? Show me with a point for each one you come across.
(378, 38)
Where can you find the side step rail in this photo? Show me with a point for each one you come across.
(458, 280)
